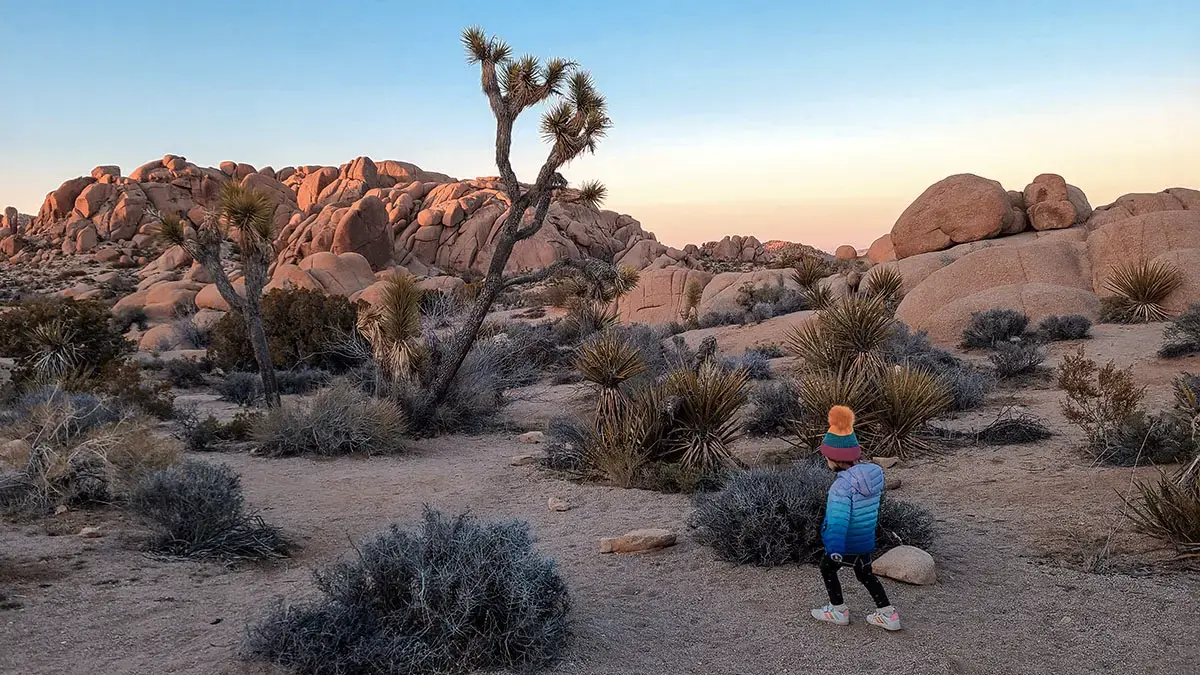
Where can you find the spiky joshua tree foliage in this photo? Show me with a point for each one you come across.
(393, 329)
(245, 215)
(574, 122)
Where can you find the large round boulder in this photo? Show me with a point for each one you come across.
(1140, 238)
(659, 295)
(954, 210)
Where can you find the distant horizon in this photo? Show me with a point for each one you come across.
(816, 124)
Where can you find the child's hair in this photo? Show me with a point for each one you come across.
(841, 420)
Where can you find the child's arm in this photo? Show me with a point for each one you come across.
(837, 519)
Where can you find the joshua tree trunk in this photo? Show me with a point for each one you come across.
(255, 278)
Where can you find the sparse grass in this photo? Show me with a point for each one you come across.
(340, 420)
(198, 511)
(993, 327)
(1140, 289)
(455, 596)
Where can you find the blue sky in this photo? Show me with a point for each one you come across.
(806, 121)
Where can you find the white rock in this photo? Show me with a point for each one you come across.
(908, 564)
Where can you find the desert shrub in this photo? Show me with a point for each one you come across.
(456, 596)
(303, 327)
(190, 333)
(969, 385)
(128, 317)
(1182, 335)
(1012, 428)
(992, 327)
(818, 296)
(337, 421)
(723, 318)
(61, 416)
(1100, 400)
(756, 365)
(1140, 289)
(1011, 359)
(100, 466)
(1170, 509)
(565, 450)
(183, 373)
(201, 435)
(774, 406)
(124, 382)
(770, 350)
(198, 511)
(1163, 438)
(240, 387)
(705, 402)
(1069, 327)
(764, 302)
(60, 337)
(301, 380)
(773, 517)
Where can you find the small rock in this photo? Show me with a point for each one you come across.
(531, 437)
(908, 564)
(556, 504)
(90, 532)
(886, 462)
(638, 540)
(523, 460)
(891, 483)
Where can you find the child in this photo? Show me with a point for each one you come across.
(848, 532)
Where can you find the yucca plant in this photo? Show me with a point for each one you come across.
(247, 216)
(908, 399)
(589, 316)
(1142, 288)
(887, 284)
(817, 297)
(1170, 510)
(691, 302)
(821, 389)
(608, 362)
(630, 435)
(849, 333)
(55, 351)
(809, 270)
(393, 329)
(704, 422)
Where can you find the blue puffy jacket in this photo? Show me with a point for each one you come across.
(852, 510)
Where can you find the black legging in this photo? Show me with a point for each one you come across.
(862, 570)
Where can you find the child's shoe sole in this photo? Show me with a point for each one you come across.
(823, 618)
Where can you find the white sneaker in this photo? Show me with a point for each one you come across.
(886, 618)
(838, 615)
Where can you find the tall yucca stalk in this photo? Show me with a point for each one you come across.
(393, 328)
(704, 424)
(1142, 288)
(609, 362)
(247, 216)
(908, 399)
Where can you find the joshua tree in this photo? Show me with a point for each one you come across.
(574, 124)
(246, 215)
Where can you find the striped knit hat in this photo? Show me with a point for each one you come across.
(840, 444)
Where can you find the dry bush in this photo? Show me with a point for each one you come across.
(774, 407)
(79, 456)
(209, 433)
(1140, 289)
(198, 511)
(1100, 401)
(969, 385)
(992, 327)
(455, 596)
(183, 373)
(1011, 359)
(339, 420)
(241, 388)
(54, 338)
(1181, 337)
(1069, 327)
(771, 517)
(1170, 510)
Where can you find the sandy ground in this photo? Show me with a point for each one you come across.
(1016, 594)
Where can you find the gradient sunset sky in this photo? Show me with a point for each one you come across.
(813, 122)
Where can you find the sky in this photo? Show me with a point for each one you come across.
(806, 121)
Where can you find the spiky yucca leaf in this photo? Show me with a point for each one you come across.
(820, 390)
(850, 332)
(626, 281)
(592, 193)
(908, 399)
(809, 270)
(817, 296)
(609, 361)
(588, 315)
(886, 283)
(393, 328)
(172, 229)
(250, 211)
(1141, 288)
(704, 424)
(56, 352)
(1170, 510)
